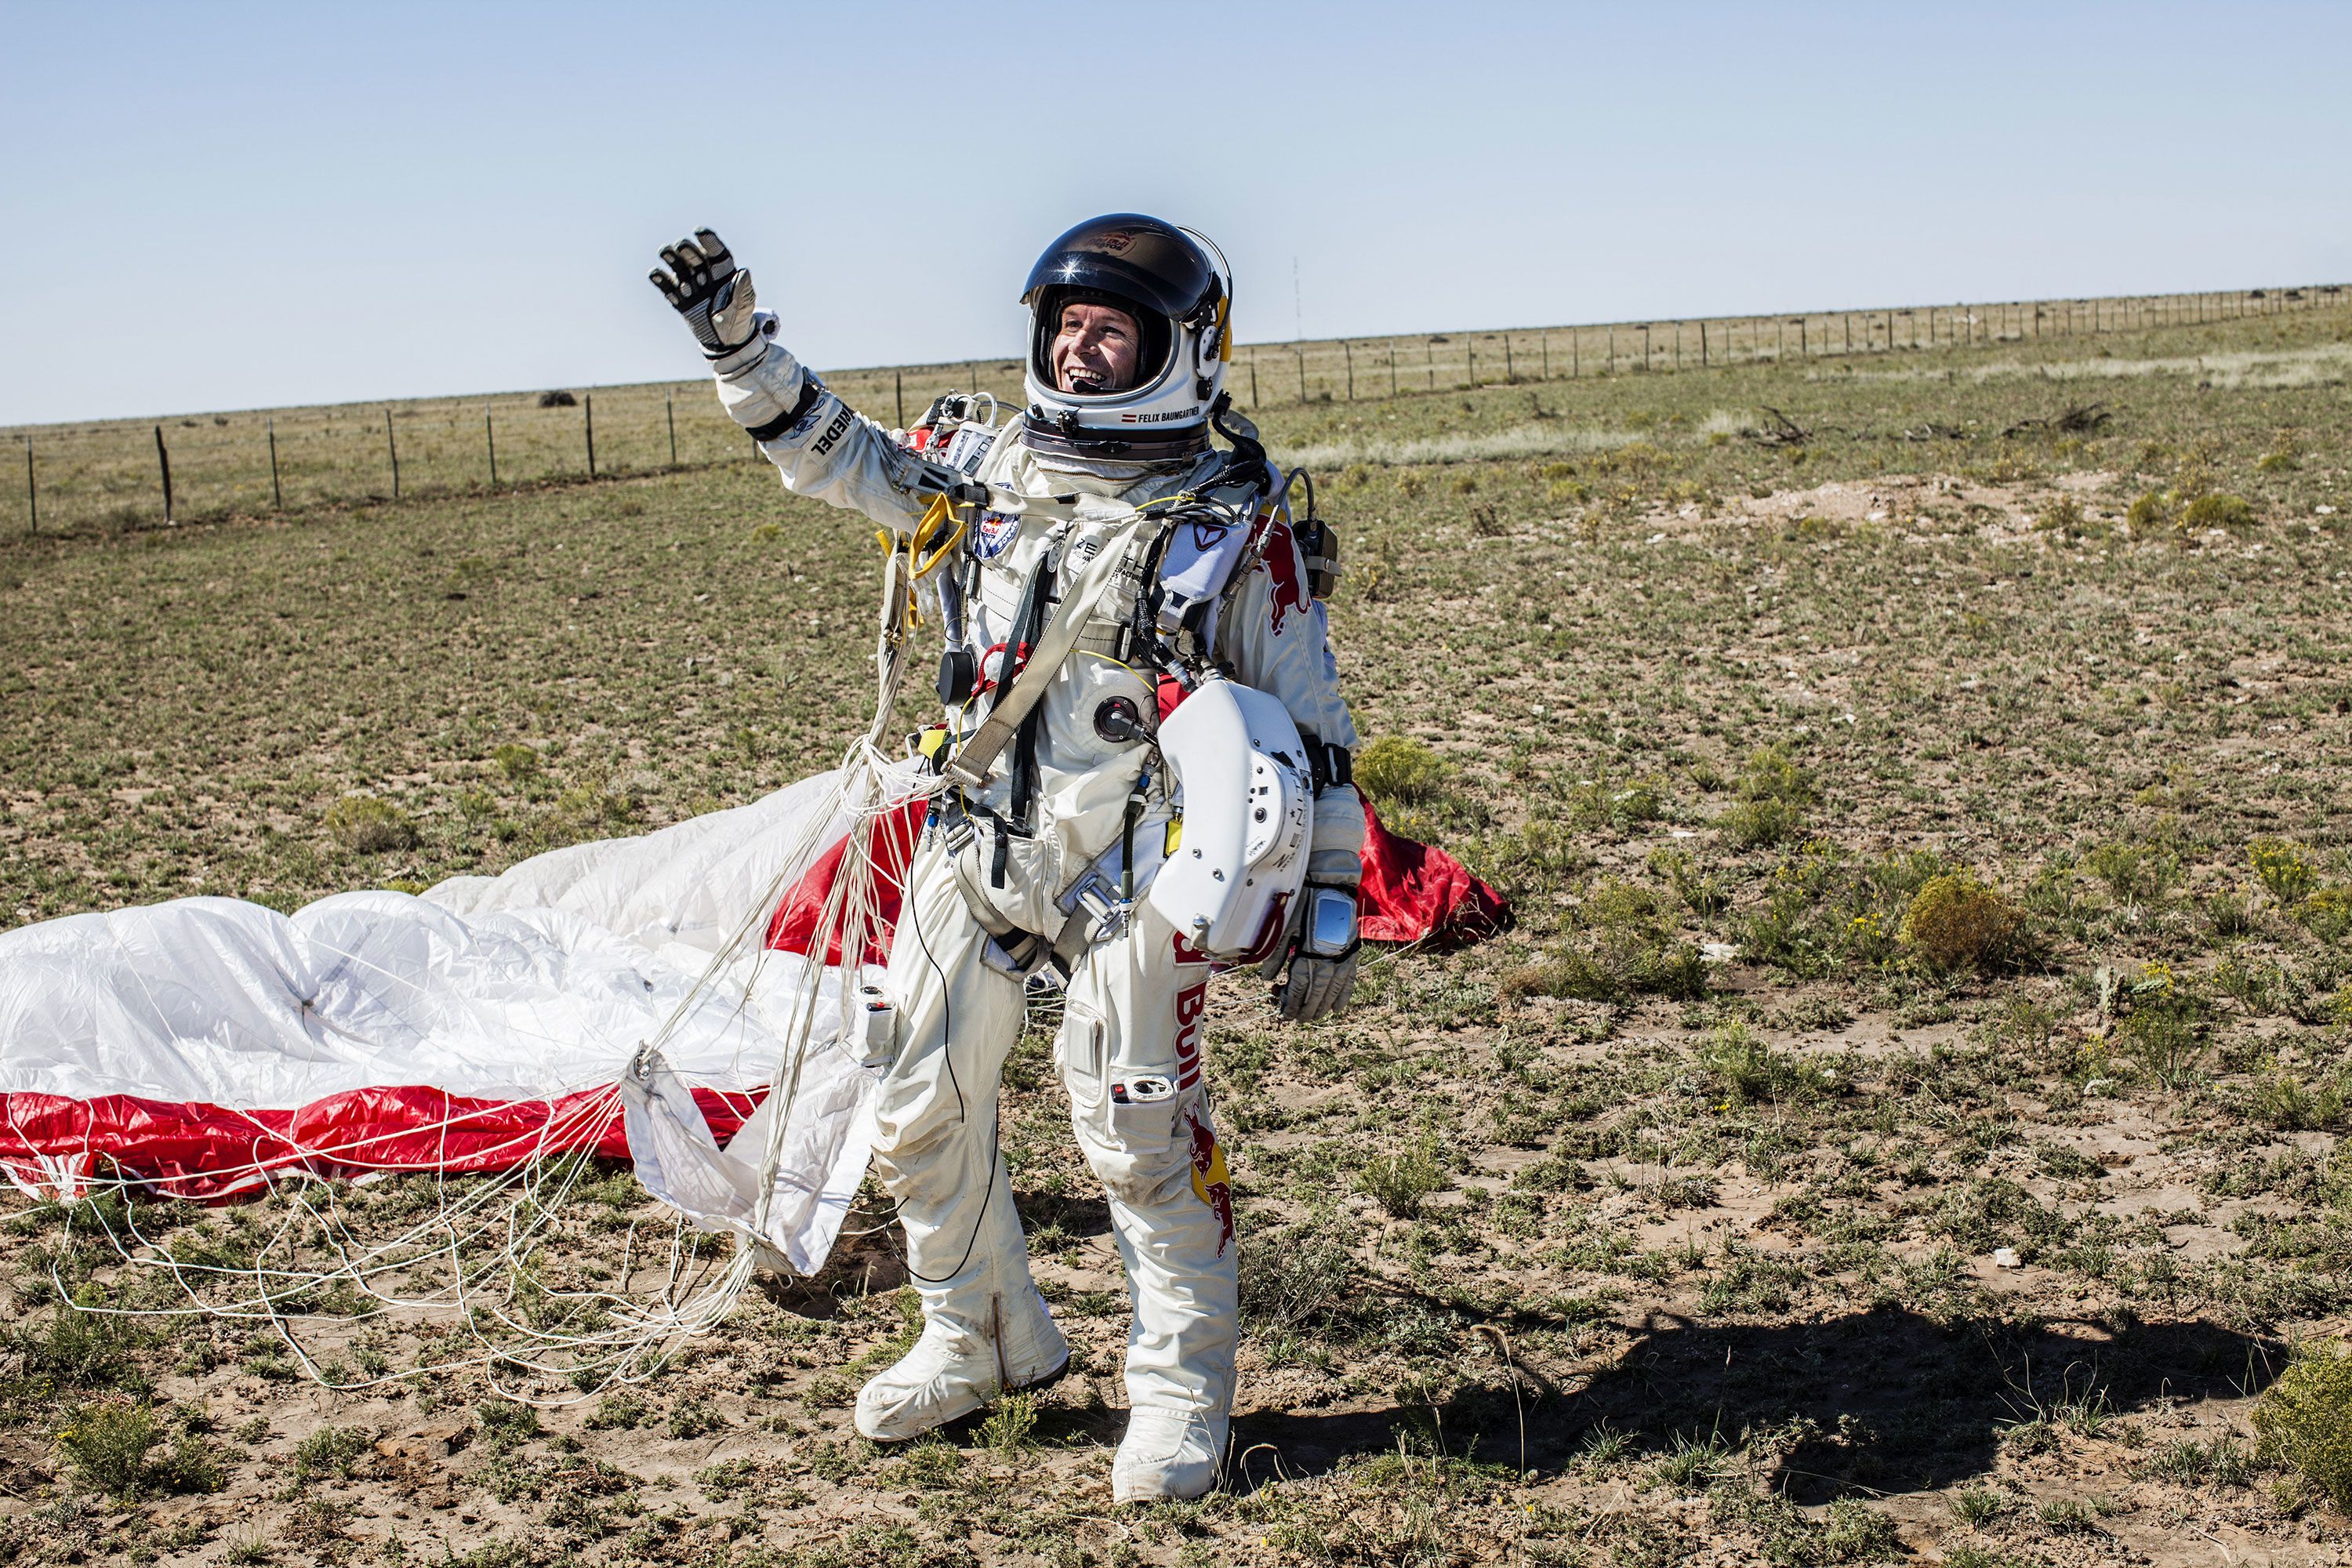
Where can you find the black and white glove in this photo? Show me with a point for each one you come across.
(1320, 956)
(704, 285)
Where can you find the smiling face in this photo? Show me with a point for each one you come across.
(1096, 348)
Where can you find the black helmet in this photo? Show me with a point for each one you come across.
(1164, 278)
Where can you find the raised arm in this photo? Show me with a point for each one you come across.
(823, 448)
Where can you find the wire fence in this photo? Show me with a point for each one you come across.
(121, 474)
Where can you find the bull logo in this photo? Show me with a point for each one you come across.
(1283, 567)
(1209, 1183)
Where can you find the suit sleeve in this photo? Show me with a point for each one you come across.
(825, 450)
(1278, 639)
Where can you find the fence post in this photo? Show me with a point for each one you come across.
(1546, 354)
(1472, 345)
(163, 461)
(899, 390)
(1678, 347)
(392, 445)
(1348, 349)
(669, 411)
(491, 438)
(588, 414)
(1575, 368)
(1253, 402)
(1804, 338)
(276, 493)
(1702, 345)
(1392, 375)
(32, 489)
(1301, 354)
(1609, 365)
(1429, 350)
(1510, 372)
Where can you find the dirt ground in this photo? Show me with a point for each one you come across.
(1899, 1125)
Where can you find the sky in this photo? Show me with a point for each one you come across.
(235, 206)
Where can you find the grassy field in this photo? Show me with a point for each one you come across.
(1902, 1120)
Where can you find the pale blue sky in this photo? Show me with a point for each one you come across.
(229, 206)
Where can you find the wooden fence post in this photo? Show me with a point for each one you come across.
(1609, 365)
(1301, 353)
(1546, 354)
(392, 445)
(1392, 373)
(163, 461)
(1348, 349)
(1253, 403)
(32, 489)
(899, 390)
(276, 494)
(1510, 370)
(1472, 345)
(1702, 345)
(588, 416)
(669, 411)
(1429, 350)
(1645, 348)
(491, 438)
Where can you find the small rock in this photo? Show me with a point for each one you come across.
(2007, 1257)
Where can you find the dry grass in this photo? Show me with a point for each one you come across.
(1680, 694)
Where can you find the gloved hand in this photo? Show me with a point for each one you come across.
(705, 286)
(1320, 955)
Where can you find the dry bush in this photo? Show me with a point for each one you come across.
(1956, 919)
(369, 825)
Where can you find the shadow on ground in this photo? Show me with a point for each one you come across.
(1883, 1401)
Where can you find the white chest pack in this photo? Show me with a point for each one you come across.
(1249, 805)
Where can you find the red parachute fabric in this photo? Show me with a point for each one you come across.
(190, 1150)
(1413, 890)
(891, 847)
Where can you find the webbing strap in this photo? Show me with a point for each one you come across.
(1021, 695)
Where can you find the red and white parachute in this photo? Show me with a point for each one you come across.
(205, 1047)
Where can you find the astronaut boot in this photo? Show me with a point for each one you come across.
(986, 1331)
(1168, 1453)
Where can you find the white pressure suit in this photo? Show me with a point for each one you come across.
(1135, 990)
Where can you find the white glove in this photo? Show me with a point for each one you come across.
(1320, 955)
(705, 286)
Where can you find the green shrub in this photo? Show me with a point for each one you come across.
(2217, 510)
(1399, 1182)
(106, 1441)
(1400, 769)
(2283, 869)
(1745, 1068)
(2149, 512)
(1956, 921)
(2064, 515)
(1758, 823)
(1624, 947)
(1009, 1423)
(517, 762)
(504, 1422)
(368, 825)
(2304, 1423)
(331, 1449)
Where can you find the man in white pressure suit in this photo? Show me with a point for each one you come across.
(1106, 560)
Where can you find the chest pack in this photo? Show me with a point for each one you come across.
(1029, 588)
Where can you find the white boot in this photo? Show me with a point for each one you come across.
(970, 1352)
(1168, 1453)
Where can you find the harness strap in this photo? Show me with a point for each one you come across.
(1019, 698)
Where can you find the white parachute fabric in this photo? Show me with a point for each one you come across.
(541, 985)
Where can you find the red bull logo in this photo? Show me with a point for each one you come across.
(1209, 1183)
(1282, 565)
